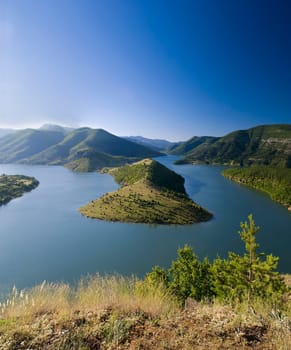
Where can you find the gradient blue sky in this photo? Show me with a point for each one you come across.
(157, 68)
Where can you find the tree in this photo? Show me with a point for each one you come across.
(249, 276)
(189, 277)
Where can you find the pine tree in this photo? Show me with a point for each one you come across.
(189, 277)
(250, 276)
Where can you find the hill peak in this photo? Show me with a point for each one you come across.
(151, 172)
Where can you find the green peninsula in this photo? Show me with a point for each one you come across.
(273, 180)
(13, 186)
(150, 193)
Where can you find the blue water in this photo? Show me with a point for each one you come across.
(43, 236)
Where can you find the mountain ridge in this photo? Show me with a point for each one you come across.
(263, 144)
(79, 149)
(156, 144)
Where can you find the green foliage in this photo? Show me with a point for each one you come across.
(249, 277)
(158, 276)
(152, 172)
(162, 177)
(275, 181)
(189, 276)
(129, 174)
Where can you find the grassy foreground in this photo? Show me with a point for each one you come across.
(13, 186)
(119, 313)
(150, 193)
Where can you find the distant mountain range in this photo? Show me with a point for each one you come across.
(4, 132)
(266, 144)
(156, 144)
(86, 149)
(54, 127)
(82, 149)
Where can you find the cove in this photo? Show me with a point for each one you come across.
(44, 237)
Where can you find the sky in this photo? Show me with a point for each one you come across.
(167, 69)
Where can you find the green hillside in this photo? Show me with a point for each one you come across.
(272, 180)
(194, 142)
(26, 143)
(13, 186)
(82, 149)
(267, 145)
(150, 193)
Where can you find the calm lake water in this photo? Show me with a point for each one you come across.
(43, 236)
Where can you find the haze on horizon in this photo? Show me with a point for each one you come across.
(157, 68)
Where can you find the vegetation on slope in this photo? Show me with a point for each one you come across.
(12, 186)
(150, 193)
(184, 147)
(275, 181)
(129, 313)
(82, 149)
(86, 142)
(23, 144)
(267, 145)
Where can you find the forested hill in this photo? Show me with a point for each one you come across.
(82, 149)
(267, 144)
(272, 180)
(187, 146)
(150, 193)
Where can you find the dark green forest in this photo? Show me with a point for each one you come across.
(275, 181)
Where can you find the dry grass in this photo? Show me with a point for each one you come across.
(114, 312)
(123, 294)
(141, 203)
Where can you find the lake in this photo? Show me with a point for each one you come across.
(43, 236)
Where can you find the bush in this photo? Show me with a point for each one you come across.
(249, 277)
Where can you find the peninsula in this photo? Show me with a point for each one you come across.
(275, 181)
(150, 193)
(13, 186)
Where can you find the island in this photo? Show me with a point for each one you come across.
(13, 186)
(150, 193)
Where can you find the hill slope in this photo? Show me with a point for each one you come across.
(267, 144)
(82, 149)
(4, 132)
(150, 193)
(189, 145)
(26, 143)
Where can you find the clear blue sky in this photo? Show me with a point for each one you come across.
(157, 68)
